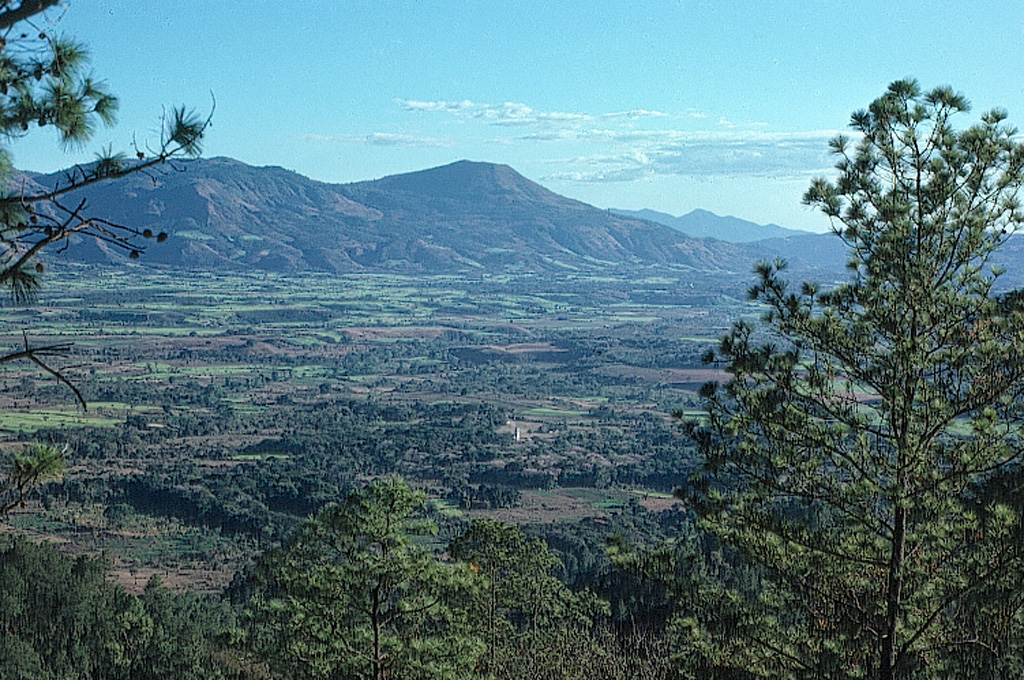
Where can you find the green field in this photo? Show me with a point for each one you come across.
(204, 381)
(31, 421)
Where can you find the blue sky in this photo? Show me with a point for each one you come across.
(725, 105)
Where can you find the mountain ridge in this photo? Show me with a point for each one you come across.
(465, 216)
(706, 224)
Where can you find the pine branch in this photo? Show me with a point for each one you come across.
(27, 9)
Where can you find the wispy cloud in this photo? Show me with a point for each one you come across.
(703, 154)
(437, 107)
(634, 114)
(508, 113)
(623, 146)
(554, 125)
(518, 114)
(391, 139)
(382, 139)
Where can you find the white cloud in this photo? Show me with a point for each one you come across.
(641, 158)
(733, 153)
(569, 134)
(507, 113)
(392, 139)
(623, 146)
(602, 175)
(563, 125)
(562, 135)
(381, 139)
(440, 106)
(635, 113)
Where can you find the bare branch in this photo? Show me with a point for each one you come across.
(33, 354)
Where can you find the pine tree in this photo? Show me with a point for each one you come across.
(24, 470)
(354, 595)
(45, 83)
(534, 626)
(855, 454)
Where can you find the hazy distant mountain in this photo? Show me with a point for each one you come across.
(704, 224)
(819, 256)
(223, 214)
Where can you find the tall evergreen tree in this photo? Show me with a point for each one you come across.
(855, 453)
(45, 83)
(354, 595)
(533, 624)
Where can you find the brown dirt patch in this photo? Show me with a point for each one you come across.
(660, 504)
(542, 508)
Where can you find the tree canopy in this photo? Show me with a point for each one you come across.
(355, 595)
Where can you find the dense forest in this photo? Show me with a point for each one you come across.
(365, 588)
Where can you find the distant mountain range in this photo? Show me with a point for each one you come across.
(704, 224)
(467, 217)
(463, 217)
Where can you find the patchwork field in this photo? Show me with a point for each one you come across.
(221, 410)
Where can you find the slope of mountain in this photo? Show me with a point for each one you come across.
(704, 224)
(464, 217)
(810, 254)
(223, 214)
(490, 216)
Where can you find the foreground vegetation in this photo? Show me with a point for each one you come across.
(354, 593)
